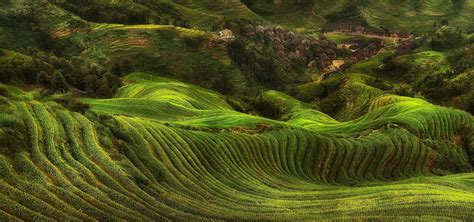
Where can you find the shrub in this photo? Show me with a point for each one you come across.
(270, 110)
(395, 68)
(193, 42)
(248, 3)
(104, 92)
(73, 104)
(458, 4)
(430, 86)
(378, 83)
(121, 67)
(387, 58)
(4, 92)
(58, 83)
(463, 101)
(461, 59)
(447, 37)
(404, 90)
(12, 135)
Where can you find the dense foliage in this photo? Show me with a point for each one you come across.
(58, 74)
(258, 61)
(447, 37)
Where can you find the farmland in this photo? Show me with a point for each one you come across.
(182, 162)
(142, 111)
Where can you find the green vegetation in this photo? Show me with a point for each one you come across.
(410, 15)
(435, 67)
(60, 74)
(141, 110)
(188, 143)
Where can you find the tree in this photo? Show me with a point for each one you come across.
(121, 67)
(43, 79)
(304, 3)
(92, 83)
(248, 3)
(105, 91)
(113, 81)
(116, 69)
(444, 21)
(458, 4)
(417, 4)
(447, 37)
(58, 83)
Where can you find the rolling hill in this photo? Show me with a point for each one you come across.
(179, 152)
(184, 134)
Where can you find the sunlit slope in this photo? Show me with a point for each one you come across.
(393, 123)
(169, 101)
(134, 162)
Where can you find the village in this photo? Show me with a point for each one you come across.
(313, 52)
(319, 52)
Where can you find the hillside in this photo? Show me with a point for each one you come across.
(406, 15)
(144, 111)
(165, 154)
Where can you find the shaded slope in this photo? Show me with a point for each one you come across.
(406, 15)
(203, 14)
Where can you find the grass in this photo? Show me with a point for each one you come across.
(337, 37)
(173, 151)
(428, 61)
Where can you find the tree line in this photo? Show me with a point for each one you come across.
(58, 75)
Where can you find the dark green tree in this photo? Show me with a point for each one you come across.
(44, 79)
(58, 83)
(92, 83)
(113, 81)
(447, 37)
(104, 91)
(458, 4)
(444, 21)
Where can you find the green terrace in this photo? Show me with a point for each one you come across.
(162, 149)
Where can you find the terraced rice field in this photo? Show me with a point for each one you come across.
(204, 14)
(406, 16)
(403, 16)
(180, 152)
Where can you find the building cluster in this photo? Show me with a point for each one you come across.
(314, 52)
